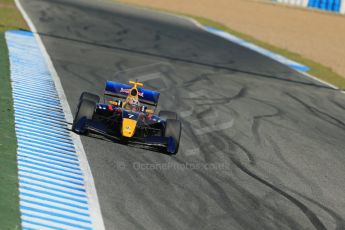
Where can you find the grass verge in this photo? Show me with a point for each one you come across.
(10, 18)
(316, 69)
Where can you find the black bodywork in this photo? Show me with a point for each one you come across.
(107, 121)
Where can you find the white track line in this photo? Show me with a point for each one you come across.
(95, 210)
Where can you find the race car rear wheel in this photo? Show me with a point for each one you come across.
(165, 115)
(173, 129)
(84, 112)
(89, 96)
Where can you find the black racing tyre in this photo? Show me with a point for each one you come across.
(85, 110)
(173, 129)
(89, 96)
(165, 115)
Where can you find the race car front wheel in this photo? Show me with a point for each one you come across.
(173, 130)
(84, 112)
(89, 96)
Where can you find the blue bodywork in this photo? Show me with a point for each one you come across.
(108, 119)
(145, 95)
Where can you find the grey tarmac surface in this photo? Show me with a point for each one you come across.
(272, 139)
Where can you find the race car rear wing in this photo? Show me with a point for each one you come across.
(146, 96)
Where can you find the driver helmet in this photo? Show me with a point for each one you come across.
(134, 104)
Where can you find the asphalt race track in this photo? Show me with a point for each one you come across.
(272, 139)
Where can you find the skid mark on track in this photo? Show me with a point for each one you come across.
(214, 128)
(257, 119)
(339, 221)
(229, 145)
(320, 114)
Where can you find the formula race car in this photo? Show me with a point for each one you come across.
(127, 114)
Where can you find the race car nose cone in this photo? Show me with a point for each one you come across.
(128, 127)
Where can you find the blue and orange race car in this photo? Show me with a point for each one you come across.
(127, 114)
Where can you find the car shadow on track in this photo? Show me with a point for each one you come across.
(155, 149)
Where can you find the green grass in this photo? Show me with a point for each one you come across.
(10, 18)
